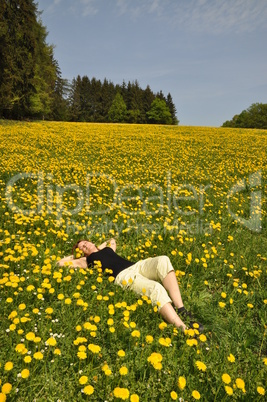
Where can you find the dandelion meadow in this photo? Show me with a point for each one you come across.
(195, 194)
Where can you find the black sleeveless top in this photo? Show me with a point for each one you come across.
(109, 259)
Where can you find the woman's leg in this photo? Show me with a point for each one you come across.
(170, 315)
(158, 295)
(171, 285)
(161, 269)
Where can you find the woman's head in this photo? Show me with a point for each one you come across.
(85, 246)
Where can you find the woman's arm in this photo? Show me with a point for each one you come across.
(103, 245)
(61, 262)
(75, 263)
(113, 244)
(110, 242)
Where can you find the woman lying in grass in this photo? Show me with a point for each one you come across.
(156, 275)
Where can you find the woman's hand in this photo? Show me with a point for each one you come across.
(65, 259)
(111, 243)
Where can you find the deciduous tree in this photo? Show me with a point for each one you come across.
(159, 112)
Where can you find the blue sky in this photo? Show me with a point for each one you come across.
(211, 55)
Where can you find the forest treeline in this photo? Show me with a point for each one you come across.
(32, 86)
(96, 101)
(253, 117)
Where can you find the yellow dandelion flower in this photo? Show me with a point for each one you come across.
(121, 353)
(9, 300)
(134, 398)
(196, 394)
(135, 334)
(155, 359)
(25, 373)
(6, 388)
(121, 393)
(123, 370)
(51, 342)
(38, 356)
(165, 342)
(231, 358)
(229, 390)
(94, 348)
(201, 366)
(2, 397)
(226, 378)
(20, 348)
(174, 395)
(83, 380)
(8, 366)
(162, 325)
(27, 359)
(240, 383)
(110, 321)
(181, 383)
(88, 390)
(82, 355)
(149, 339)
(190, 332)
(30, 336)
(191, 342)
(261, 390)
(202, 338)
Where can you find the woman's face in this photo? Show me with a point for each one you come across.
(87, 247)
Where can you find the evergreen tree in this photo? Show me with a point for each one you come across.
(27, 72)
(96, 87)
(172, 109)
(59, 99)
(134, 102)
(148, 98)
(106, 98)
(86, 99)
(74, 99)
(161, 96)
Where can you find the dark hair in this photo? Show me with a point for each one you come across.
(76, 246)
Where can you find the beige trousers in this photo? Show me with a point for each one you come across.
(144, 276)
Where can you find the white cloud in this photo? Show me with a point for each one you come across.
(80, 7)
(138, 8)
(88, 7)
(51, 8)
(210, 16)
(220, 16)
(216, 16)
